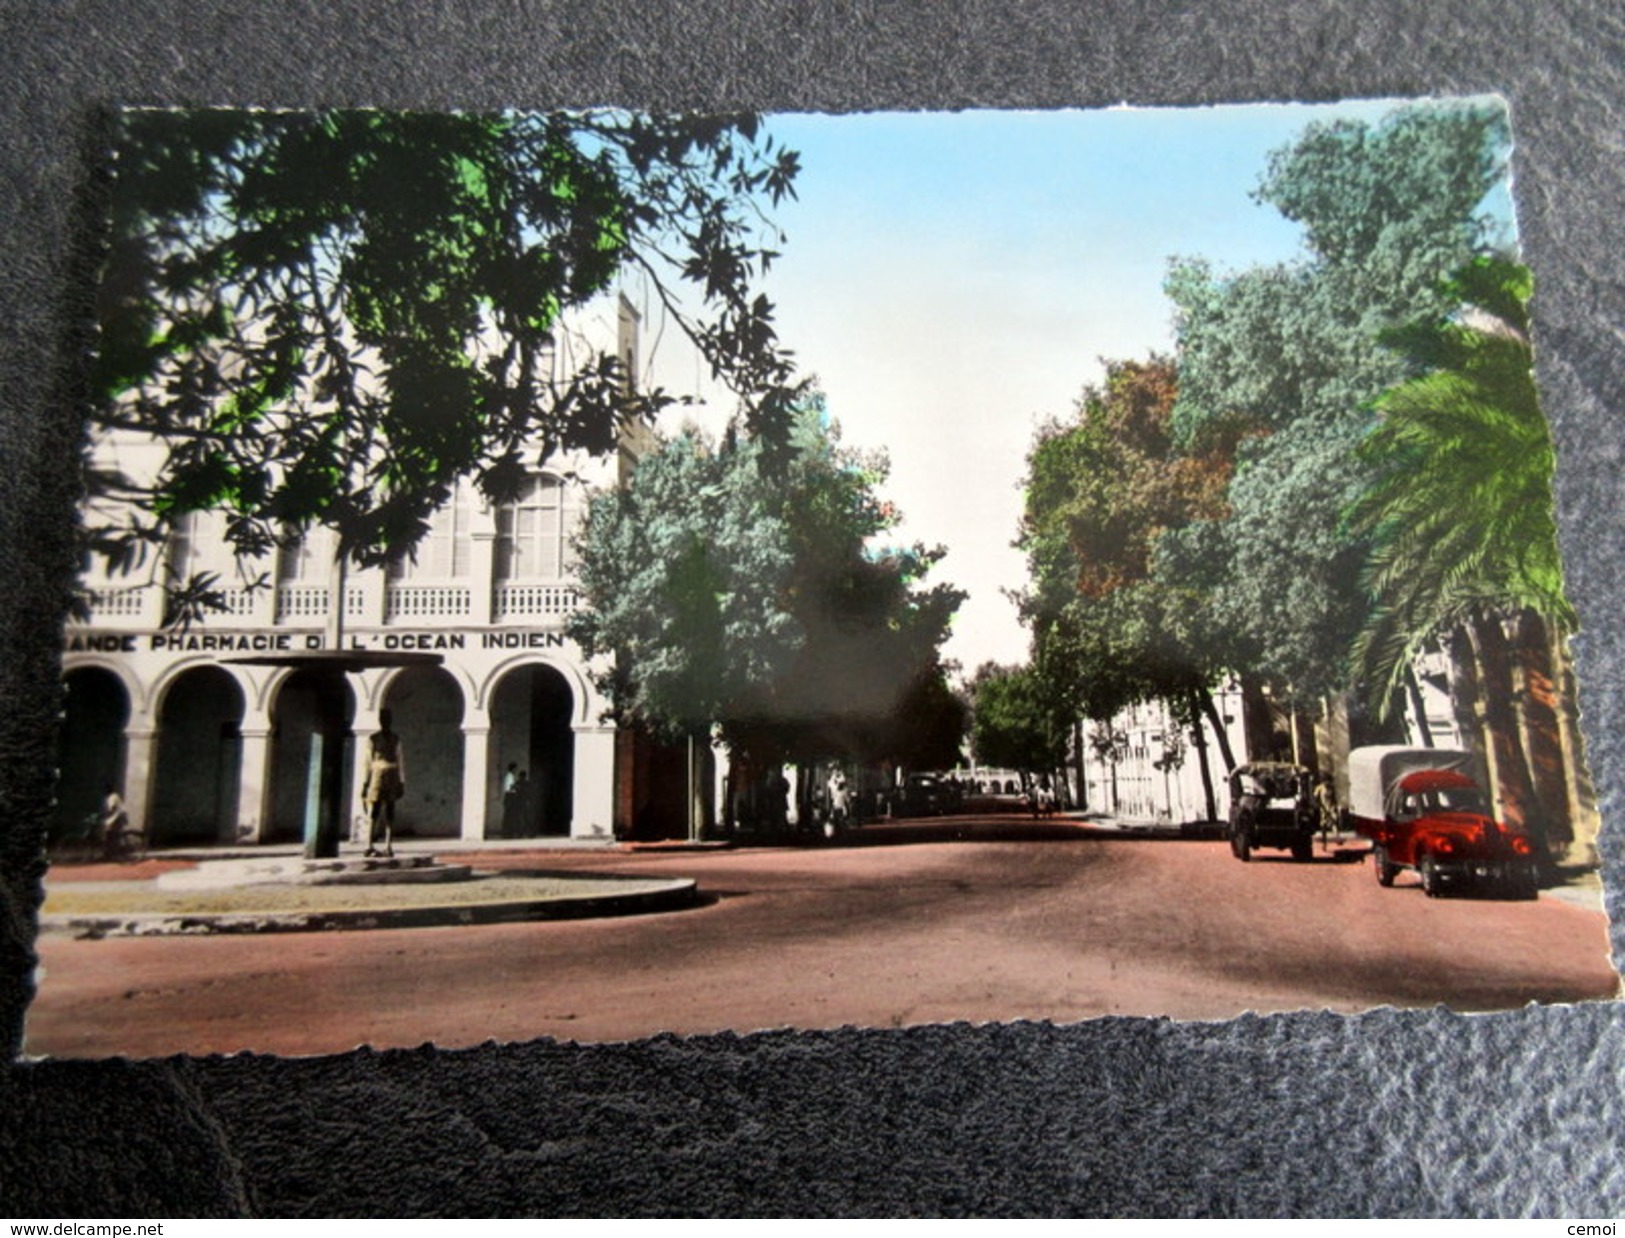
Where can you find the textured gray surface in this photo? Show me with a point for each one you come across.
(1416, 1113)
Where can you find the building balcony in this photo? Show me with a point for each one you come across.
(553, 601)
(140, 606)
(395, 604)
(418, 603)
(297, 605)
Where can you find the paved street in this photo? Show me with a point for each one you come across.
(991, 920)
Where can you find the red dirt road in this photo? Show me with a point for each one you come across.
(1025, 922)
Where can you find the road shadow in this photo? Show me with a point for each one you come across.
(1343, 855)
(971, 829)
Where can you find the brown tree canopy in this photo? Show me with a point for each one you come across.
(1127, 482)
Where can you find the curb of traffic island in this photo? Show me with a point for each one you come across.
(678, 844)
(669, 895)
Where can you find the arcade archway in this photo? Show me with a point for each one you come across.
(199, 760)
(427, 708)
(531, 710)
(310, 751)
(90, 749)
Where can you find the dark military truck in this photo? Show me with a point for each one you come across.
(1422, 810)
(1272, 804)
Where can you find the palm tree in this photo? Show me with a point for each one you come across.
(1463, 537)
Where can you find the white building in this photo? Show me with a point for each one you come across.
(205, 749)
(1144, 767)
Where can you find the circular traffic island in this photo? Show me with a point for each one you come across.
(283, 896)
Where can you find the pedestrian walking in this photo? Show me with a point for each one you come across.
(1326, 807)
(840, 804)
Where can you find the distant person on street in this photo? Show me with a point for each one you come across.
(778, 799)
(1326, 807)
(510, 800)
(524, 806)
(117, 838)
(840, 804)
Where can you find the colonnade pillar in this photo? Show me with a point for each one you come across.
(253, 781)
(593, 798)
(476, 777)
(140, 748)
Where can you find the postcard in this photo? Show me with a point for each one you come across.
(594, 574)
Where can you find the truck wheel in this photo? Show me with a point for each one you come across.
(1430, 876)
(1303, 848)
(1386, 869)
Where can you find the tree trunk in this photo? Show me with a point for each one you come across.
(1464, 700)
(1413, 696)
(1582, 792)
(1513, 783)
(1198, 697)
(1303, 737)
(804, 807)
(1542, 742)
(1081, 761)
(1205, 704)
(1258, 726)
(1334, 749)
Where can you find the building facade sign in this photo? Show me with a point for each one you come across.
(503, 738)
(285, 642)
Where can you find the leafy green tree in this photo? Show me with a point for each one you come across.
(1102, 495)
(1066, 649)
(730, 594)
(684, 573)
(1019, 721)
(1459, 510)
(1463, 538)
(930, 721)
(330, 317)
(1294, 352)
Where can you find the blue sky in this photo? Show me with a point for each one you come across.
(954, 278)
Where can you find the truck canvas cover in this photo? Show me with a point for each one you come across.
(1373, 770)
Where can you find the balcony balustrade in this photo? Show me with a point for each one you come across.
(295, 603)
(241, 603)
(414, 602)
(113, 605)
(435, 605)
(536, 601)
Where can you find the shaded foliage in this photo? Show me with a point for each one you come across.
(730, 594)
(329, 317)
(683, 573)
(1295, 352)
(1019, 720)
(1459, 509)
(1102, 495)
